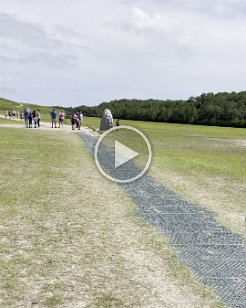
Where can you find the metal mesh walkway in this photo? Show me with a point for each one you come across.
(216, 255)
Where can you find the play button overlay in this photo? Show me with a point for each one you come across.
(123, 154)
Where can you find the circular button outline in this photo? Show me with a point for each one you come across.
(136, 131)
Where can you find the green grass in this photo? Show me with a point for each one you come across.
(27, 170)
(61, 244)
(41, 200)
(205, 164)
(153, 129)
(188, 149)
(6, 104)
(10, 105)
(90, 121)
(194, 160)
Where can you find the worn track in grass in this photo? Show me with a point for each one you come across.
(216, 255)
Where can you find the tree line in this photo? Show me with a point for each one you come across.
(220, 109)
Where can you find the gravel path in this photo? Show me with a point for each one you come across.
(216, 255)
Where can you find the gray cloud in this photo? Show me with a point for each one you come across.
(68, 32)
(212, 8)
(6, 85)
(45, 59)
(30, 44)
(42, 59)
(140, 22)
(31, 35)
(6, 90)
(93, 51)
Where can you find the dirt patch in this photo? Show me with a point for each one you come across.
(237, 142)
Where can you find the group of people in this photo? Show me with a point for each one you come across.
(13, 114)
(61, 118)
(76, 119)
(32, 117)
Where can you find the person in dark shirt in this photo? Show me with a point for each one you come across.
(53, 118)
(30, 120)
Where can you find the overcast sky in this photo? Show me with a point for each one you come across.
(74, 52)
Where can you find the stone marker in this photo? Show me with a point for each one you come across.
(107, 120)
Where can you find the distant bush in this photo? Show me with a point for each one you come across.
(221, 109)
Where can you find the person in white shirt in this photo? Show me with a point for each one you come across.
(80, 119)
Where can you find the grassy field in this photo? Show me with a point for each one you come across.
(10, 105)
(205, 164)
(64, 246)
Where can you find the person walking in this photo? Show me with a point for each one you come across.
(61, 117)
(30, 119)
(39, 117)
(74, 120)
(26, 116)
(53, 118)
(35, 118)
(80, 119)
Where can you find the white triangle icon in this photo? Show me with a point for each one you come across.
(123, 154)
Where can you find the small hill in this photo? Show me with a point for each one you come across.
(6, 104)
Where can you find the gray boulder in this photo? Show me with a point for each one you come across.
(107, 120)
